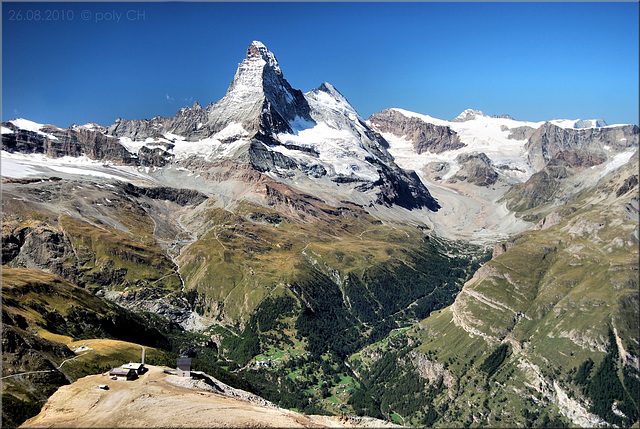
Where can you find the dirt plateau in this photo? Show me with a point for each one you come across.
(158, 399)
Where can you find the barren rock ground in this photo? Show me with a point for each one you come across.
(157, 399)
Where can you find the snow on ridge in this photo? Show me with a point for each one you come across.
(266, 55)
(233, 129)
(328, 96)
(464, 116)
(617, 161)
(25, 124)
(425, 118)
(483, 134)
(339, 151)
(580, 124)
(19, 165)
(92, 126)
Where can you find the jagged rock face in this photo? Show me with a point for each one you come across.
(259, 98)
(580, 159)
(176, 309)
(39, 247)
(55, 142)
(403, 189)
(156, 157)
(425, 137)
(521, 133)
(476, 168)
(550, 139)
(181, 197)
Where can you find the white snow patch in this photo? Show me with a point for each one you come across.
(131, 145)
(300, 124)
(23, 165)
(340, 151)
(6, 130)
(27, 125)
(209, 148)
(234, 129)
(15, 169)
(618, 161)
(92, 126)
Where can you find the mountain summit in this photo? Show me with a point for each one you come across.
(259, 97)
(258, 102)
(315, 142)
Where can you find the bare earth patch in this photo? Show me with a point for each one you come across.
(157, 399)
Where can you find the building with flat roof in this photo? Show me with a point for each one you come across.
(184, 367)
(127, 373)
(139, 368)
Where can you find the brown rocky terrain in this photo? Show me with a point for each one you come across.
(158, 399)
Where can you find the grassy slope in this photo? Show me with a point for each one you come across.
(552, 297)
(237, 261)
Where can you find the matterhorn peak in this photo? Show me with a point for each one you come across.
(258, 51)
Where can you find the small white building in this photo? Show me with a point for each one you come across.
(184, 367)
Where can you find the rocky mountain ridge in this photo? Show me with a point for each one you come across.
(261, 121)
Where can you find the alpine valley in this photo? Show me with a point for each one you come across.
(481, 271)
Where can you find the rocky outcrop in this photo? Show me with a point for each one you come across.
(265, 160)
(432, 371)
(580, 159)
(156, 157)
(55, 143)
(550, 139)
(182, 197)
(520, 133)
(553, 181)
(541, 188)
(425, 137)
(153, 300)
(39, 247)
(475, 168)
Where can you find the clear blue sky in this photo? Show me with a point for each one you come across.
(79, 62)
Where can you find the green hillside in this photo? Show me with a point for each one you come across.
(545, 334)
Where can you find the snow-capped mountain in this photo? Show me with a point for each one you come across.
(317, 144)
(516, 149)
(315, 141)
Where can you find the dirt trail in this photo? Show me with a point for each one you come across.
(157, 399)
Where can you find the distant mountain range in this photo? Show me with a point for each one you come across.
(484, 259)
